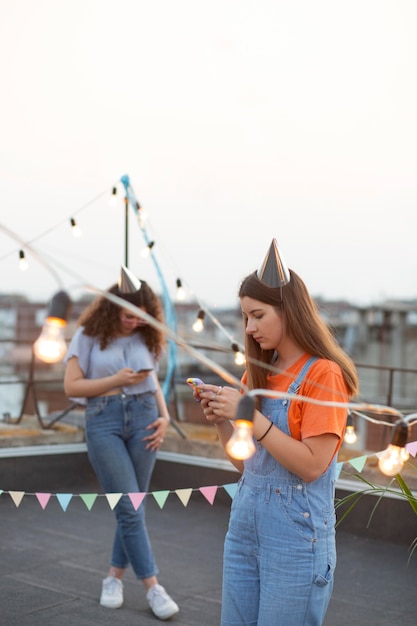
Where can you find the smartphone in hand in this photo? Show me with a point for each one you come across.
(144, 370)
(194, 384)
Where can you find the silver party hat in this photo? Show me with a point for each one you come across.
(128, 282)
(274, 271)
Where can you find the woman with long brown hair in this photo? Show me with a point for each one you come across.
(280, 551)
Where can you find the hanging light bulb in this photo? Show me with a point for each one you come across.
(239, 356)
(392, 460)
(23, 264)
(142, 215)
(180, 290)
(241, 445)
(76, 232)
(51, 346)
(350, 433)
(146, 251)
(113, 197)
(198, 325)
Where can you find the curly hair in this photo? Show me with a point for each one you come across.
(101, 317)
(304, 325)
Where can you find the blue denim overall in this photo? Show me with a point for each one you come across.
(280, 551)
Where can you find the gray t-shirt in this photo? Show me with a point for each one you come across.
(130, 351)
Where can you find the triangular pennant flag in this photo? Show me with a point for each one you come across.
(17, 496)
(209, 493)
(184, 495)
(43, 499)
(88, 499)
(64, 499)
(1, 491)
(412, 448)
(136, 498)
(358, 463)
(338, 469)
(160, 497)
(231, 489)
(113, 499)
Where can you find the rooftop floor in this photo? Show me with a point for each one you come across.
(53, 563)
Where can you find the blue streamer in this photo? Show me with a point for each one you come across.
(169, 309)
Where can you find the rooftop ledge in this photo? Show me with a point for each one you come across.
(185, 443)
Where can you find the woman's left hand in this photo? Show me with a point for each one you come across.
(156, 438)
(219, 403)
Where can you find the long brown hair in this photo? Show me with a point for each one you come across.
(303, 324)
(101, 318)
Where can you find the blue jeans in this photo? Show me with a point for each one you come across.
(115, 428)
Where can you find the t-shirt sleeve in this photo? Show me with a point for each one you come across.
(325, 383)
(80, 346)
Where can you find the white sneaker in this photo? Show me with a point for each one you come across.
(112, 593)
(162, 605)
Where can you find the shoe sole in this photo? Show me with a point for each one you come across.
(111, 606)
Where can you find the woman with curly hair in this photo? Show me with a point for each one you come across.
(112, 364)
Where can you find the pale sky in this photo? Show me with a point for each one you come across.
(237, 121)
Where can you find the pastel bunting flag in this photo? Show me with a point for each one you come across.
(160, 497)
(113, 499)
(17, 496)
(358, 463)
(209, 493)
(137, 499)
(64, 499)
(412, 448)
(184, 495)
(1, 491)
(231, 489)
(88, 499)
(43, 499)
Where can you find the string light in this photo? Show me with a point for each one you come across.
(240, 445)
(239, 356)
(198, 325)
(392, 460)
(113, 197)
(350, 434)
(180, 291)
(51, 346)
(142, 215)
(146, 251)
(76, 232)
(23, 264)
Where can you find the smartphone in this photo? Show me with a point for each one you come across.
(194, 384)
(144, 370)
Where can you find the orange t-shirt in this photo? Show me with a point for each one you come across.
(323, 381)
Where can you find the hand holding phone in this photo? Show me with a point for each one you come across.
(194, 384)
(145, 370)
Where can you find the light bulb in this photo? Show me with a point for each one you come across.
(392, 460)
(113, 197)
(180, 290)
(23, 264)
(76, 231)
(198, 325)
(51, 345)
(240, 445)
(350, 435)
(146, 251)
(239, 356)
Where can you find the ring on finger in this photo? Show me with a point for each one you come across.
(219, 391)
